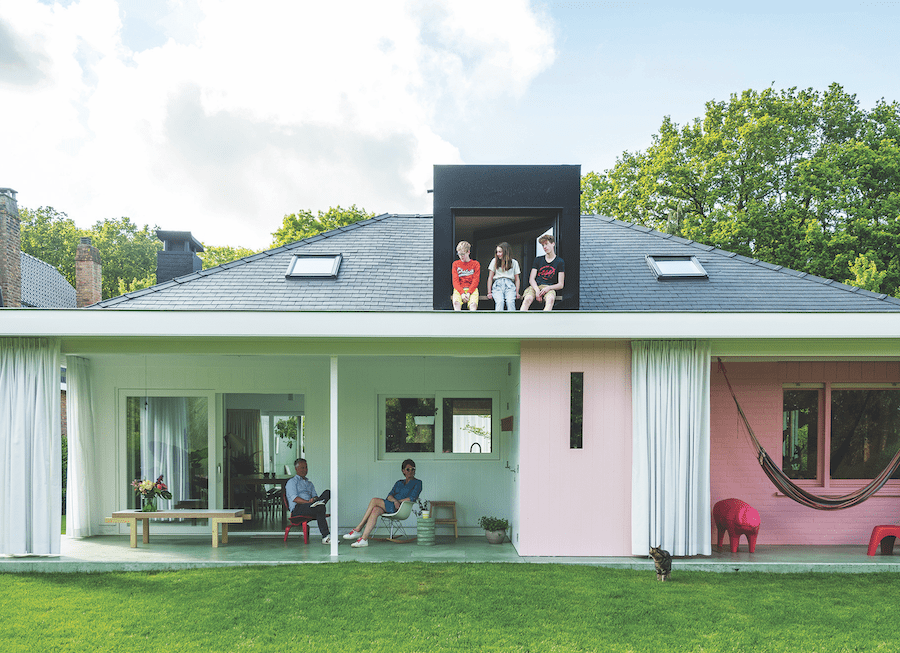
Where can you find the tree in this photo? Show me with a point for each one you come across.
(303, 224)
(803, 179)
(51, 236)
(213, 256)
(128, 254)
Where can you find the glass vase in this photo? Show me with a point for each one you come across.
(148, 504)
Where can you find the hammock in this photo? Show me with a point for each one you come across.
(797, 493)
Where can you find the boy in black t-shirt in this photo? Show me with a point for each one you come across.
(548, 274)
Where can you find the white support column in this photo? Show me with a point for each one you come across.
(333, 405)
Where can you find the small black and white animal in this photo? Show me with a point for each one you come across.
(663, 562)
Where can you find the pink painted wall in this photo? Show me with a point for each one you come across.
(736, 473)
(575, 502)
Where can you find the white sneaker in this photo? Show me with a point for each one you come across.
(326, 539)
(360, 543)
(352, 535)
(317, 503)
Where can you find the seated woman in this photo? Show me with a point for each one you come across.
(406, 489)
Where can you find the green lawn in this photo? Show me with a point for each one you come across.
(447, 607)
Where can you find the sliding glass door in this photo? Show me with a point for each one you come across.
(169, 437)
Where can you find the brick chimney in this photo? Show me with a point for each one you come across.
(10, 250)
(88, 269)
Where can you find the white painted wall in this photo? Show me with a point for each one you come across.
(478, 486)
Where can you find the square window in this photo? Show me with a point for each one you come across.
(444, 425)
(860, 439)
(467, 425)
(676, 267)
(409, 424)
(865, 431)
(314, 266)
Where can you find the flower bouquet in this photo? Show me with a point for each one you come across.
(149, 490)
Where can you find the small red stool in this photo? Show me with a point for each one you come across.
(886, 536)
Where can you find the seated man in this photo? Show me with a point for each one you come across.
(548, 274)
(301, 494)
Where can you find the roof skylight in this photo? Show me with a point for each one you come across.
(307, 265)
(676, 267)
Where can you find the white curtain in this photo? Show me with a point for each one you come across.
(670, 481)
(83, 498)
(30, 446)
(164, 446)
(243, 425)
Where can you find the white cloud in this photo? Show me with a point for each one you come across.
(240, 115)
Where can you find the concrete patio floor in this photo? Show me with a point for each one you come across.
(171, 552)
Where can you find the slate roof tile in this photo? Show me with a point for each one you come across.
(388, 252)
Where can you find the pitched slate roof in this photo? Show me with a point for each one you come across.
(615, 276)
(387, 266)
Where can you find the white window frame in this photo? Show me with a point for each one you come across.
(437, 453)
(319, 270)
(696, 270)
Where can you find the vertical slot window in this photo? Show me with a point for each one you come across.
(576, 411)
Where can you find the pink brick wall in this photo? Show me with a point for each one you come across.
(735, 472)
(575, 502)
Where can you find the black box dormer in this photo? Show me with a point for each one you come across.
(488, 204)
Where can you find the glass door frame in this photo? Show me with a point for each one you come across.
(213, 456)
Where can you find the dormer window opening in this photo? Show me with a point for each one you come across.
(313, 265)
(676, 267)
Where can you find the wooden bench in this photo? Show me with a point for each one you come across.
(215, 517)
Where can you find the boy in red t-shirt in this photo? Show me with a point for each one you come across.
(466, 274)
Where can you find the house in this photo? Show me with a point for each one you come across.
(599, 429)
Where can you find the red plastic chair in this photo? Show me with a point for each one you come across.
(296, 520)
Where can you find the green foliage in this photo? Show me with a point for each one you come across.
(286, 429)
(448, 607)
(135, 284)
(303, 224)
(866, 274)
(213, 256)
(128, 253)
(804, 179)
(493, 523)
(51, 236)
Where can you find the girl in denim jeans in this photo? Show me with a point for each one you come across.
(503, 279)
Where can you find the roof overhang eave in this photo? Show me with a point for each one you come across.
(489, 325)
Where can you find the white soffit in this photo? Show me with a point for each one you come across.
(485, 325)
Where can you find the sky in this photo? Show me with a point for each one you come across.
(221, 117)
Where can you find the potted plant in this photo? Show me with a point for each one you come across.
(422, 508)
(494, 529)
